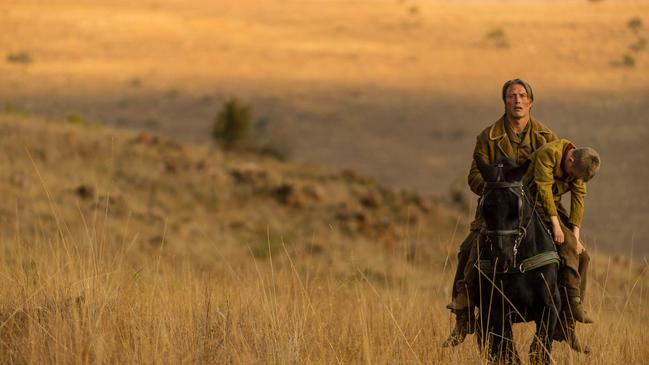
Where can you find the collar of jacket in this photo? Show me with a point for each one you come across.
(498, 133)
(564, 174)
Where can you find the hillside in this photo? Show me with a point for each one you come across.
(130, 248)
(397, 89)
(199, 202)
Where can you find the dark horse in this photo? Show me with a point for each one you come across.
(518, 266)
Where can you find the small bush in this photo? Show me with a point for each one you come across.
(497, 37)
(78, 119)
(15, 110)
(628, 60)
(75, 118)
(635, 24)
(20, 57)
(232, 125)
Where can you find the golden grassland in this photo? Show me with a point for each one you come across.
(425, 45)
(180, 254)
(397, 89)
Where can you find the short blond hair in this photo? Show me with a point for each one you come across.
(586, 162)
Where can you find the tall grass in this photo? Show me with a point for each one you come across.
(83, 281)
(71, 299)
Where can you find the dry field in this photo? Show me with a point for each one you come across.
(396, 89)
(119, 248)
(129, 249)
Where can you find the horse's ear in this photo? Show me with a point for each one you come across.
(516, 174)
(488, 172)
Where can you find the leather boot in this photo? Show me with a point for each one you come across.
(577, 311)
(461, 329)
(572, 339)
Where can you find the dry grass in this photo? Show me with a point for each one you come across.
(164, 257)
(396, 89)
(72, 300)
(84, 282)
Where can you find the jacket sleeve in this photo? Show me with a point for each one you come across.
(543, 166)
(476, 182)
(577, 197)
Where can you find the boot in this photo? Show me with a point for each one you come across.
(456, 305)
(577, 311)
(572, 339)
(461, 329)
(572, 295)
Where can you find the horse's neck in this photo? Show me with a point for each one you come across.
(536, 240)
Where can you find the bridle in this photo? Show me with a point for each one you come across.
(521, 230)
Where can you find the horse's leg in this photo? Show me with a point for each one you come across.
(511, 355)
(496, 345)
(488, 334)
(536, 348)
(547, 332)
(541, 347)
(498, 337)
(485, 330)
(484, 323)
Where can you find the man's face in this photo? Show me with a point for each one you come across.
(517, 102)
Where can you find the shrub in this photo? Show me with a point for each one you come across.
(635, 24)
(78, 119)
(232, 125)
(15, 110)
(20, 57)
(75, 118)
(628, 60)
(497, 37)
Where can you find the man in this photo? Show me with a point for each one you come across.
(555, 169)
(515, 135)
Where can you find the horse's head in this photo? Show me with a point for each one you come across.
(502, 207)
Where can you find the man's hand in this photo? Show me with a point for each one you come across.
(556, 230)
(580, 246)
(575, 230)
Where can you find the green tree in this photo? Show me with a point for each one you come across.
(232, 125)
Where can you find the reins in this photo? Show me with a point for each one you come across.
(520, 232)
